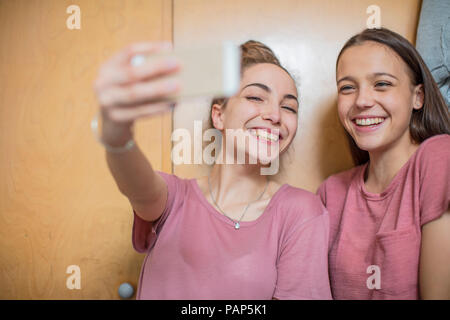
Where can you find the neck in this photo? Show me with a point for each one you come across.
(236, 183)
(384, 164)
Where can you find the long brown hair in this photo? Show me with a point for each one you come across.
(433, 118)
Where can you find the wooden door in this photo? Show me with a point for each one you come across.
(307, 36)
(59, 205)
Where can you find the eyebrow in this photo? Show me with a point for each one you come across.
(376, 74)
(268, 90)
(385, 74)
(345, 78)
(290, 96)
(260, 85)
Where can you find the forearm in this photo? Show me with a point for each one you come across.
(126, 93)
(131, 170)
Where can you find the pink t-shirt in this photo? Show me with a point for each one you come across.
(194, 252)
(375, 238)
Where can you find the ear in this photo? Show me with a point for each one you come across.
(419, 97)
(217, 115)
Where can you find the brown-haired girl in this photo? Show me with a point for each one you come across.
(234, 234)
(389, 216)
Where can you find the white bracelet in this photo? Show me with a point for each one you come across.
(126, 147)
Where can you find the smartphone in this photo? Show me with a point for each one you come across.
(209, 71)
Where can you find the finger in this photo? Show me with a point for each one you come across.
(130, 74)
(124, 56)
(138, 93)
(131, 114)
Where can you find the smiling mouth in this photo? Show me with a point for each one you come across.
(368, 122)
(264, 134)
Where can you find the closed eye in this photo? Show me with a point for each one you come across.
(254, 98)
(382, 84)
(290, 109)
(345, 88)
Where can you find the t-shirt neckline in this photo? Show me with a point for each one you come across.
(389, 189)
(220, 216)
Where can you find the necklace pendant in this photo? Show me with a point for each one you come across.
(237, 226)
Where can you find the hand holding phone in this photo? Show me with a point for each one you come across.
(147, 78)
(212, 71)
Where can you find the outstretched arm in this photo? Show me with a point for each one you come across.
(126, 93)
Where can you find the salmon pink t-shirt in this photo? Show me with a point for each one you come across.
(375, 239)
(194, 252)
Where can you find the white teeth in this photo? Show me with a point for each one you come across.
(368, 121)
(262, 133)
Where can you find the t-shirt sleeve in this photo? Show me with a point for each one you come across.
(303, 262)
(434, 169)
(144, 232)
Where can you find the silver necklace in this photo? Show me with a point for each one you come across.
(236, 223)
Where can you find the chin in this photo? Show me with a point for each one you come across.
(260, 159)
(370, 144)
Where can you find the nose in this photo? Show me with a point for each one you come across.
(271, 112)
(364, 98)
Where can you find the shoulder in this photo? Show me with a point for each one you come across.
(172, 179)
(433, 155)
(298, 195)
(435, 147)
(299, 211)
(176, 186)
(169, 177)
(299, 205)
(340, 182)
(431, 162)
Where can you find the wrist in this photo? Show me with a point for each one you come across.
(114, 133)
(115, 137)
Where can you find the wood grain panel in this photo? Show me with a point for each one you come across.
(59, 205)
(307, 36)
